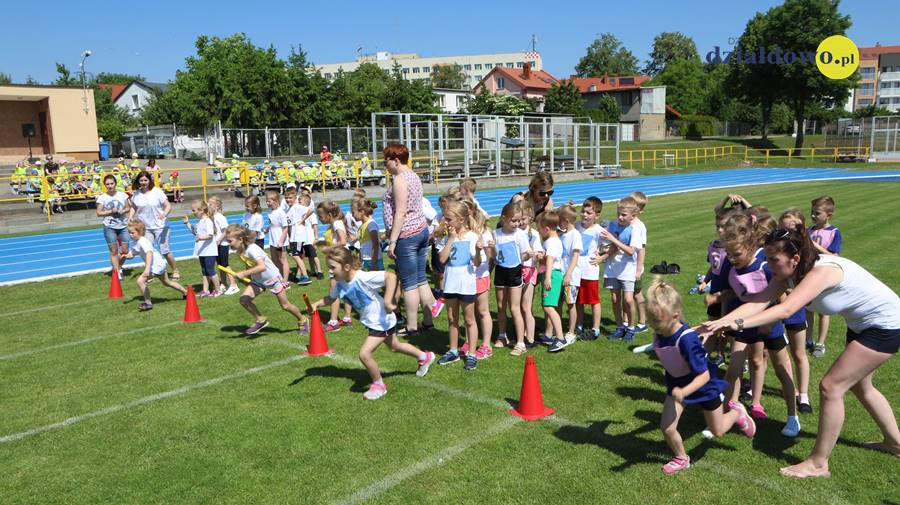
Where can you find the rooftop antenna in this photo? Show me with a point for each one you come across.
(533, 42)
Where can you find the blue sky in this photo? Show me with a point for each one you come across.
(154, 38)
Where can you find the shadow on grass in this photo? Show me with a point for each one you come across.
(237, 331)
(359, 377)
(652, 373)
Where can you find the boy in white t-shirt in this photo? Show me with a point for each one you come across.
(296, 233)
(620, 272)
(572, 247)
(312, 235)
(589, 263)
(641, 230)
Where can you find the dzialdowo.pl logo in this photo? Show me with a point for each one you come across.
(837, 57)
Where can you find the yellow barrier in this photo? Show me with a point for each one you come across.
(684, 156)
(808, 153)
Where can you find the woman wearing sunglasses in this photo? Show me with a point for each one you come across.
(540, 189)
(831, 285)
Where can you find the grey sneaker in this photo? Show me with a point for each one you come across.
(471, 362)
(819, 351)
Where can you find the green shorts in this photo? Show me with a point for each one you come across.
(551, 297)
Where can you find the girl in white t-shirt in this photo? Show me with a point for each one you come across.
(529, 270)
(264, 276)
(510, 248)
(461, 255)
(278, 232)
(154, 263)
(361, 289)
(330, 213)
(253, 220)
(369, 244)
(482, 281)
(205, 247)
(221, 222)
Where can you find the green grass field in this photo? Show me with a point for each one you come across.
(102, 404)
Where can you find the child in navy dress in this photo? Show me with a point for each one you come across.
(690, 378)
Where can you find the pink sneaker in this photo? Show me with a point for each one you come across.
(464, 349)
(346, 321)
(333, 326)
(484, 352)
(744, 421)
(375, 392)
(425, 364)
(203, 294)
(758, 412)
(676, 465)
(437, 307)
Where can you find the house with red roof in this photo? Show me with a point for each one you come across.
(642, 109)
(134, 96)
(522, 82)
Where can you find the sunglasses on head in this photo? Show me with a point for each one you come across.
(781, 234)
(546, 193)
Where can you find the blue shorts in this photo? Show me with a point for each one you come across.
(222, 258)
(261, 242)
(412, 255)
(208, 265)
(367, 265)
(114, 236)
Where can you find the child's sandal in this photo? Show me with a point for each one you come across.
(518, 350)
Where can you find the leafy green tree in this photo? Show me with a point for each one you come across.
(5, 78)
(607, 110)
(564, 98)
(755, 83)
(685, 82)
(117, 78)
(668, 47)
(449, 76)
(606, 55)
(871, 111)
(31, 80)
(112, 120)
(65, 76)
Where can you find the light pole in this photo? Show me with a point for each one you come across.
(84, 99)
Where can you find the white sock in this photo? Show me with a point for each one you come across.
(804, 398)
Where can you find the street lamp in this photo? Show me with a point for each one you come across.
(84, 99)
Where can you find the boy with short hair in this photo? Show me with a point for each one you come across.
(621, 268)
(312, 235)
(640, 228)
(572, 247)
(826, 238)
(467, 190)
(296, 233)
(589, 264)
(553, 275)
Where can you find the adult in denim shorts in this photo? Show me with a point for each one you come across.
(151, 205)
(404, 220)
(114, 208)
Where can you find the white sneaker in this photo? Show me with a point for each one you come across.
(121, 274)
(375, 392)
(707, 434)
(570, 338)
(231, 290)
(643, 348)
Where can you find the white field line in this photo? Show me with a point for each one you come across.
(84, 341)
(734, 184)
(47, 307)
(146, 400)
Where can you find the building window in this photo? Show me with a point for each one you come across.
(440, 100)
(498, 64)
(627, 99)
(415, 70)
(478, 77)
(866, 89)
(488, 66)
(867, 73)
(865, 101)
(405, 70)
(467, 67)
(328, 76)
(592, 87)
(501, 83)
(135, 102)
(426, 70)
(509, 64)
(461, 101)
(478, 66)
(887, 69)
(520, 64)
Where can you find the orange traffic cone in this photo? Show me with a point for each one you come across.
(531, 403)
(191, 312)
(318, 346)
(115, 287)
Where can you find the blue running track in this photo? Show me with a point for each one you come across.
(62, 254)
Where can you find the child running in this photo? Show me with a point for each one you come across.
(253, 220)
(154, 263)
(205, 248)
(461, 256)
(221, 222)
(264, 275)
(330, 213)
(510, 248)
(361, 289)
(690, 378)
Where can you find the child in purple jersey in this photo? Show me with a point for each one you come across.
(690, 378)
(795, 326)
(827, 239)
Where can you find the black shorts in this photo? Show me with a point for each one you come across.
(208, 265)
(381, 334)
(508, 277)
(714, 311)
(877, 339)
(795, 326)
(462, 298)
(309, 251)
(711, 404)
(222, 258)
(771, 344)
(261, 242)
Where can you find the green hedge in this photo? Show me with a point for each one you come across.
(696, 126)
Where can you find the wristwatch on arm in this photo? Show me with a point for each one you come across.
(739, 323)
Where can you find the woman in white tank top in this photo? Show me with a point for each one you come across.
(831, 285)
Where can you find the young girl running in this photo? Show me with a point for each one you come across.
(330, 213)
(369, 244)
(264, 275)
(511, 247)
(221, 222)
(361, 289)
(690, 378)
(205, 247)
(529, 270)
(253, 220)
(461, 256)
(278, 232)
(154, 263)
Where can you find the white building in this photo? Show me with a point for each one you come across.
(452, 101)
(134, 96)
(413, 66)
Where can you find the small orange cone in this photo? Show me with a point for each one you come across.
(531, 403)
(115, 286)
(191, 312)
(318, 346)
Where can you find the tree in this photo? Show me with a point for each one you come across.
(117, 78)
(871, 111)
(685, 82)
(564, 98)
(112, 120)
(449, 76)
(668, 47)
(802, 84)
(606, 56)
(501, 105)
(65, 76)
(607, 110)
(5, 78)
(755, 83)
